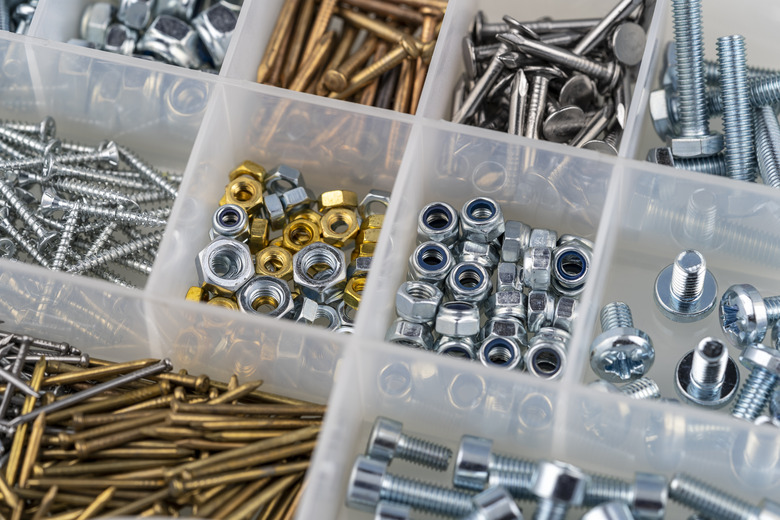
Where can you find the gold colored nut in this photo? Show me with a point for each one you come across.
(275, 261)
(277, 242)
(197, 294)
(339, 226)
(366, 249)
(246, 192)
(221, 301)
(368, 236)
(250, 168)
(373, 222)
(299, 234)
(315, 217)
(223, 200)
(337, 199)
(258, 235)
(354, 291)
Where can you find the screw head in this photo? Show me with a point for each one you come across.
(472, 463)
(759, 356)
(365, 483)
(742, 315)
(622, 354)
(495, 503)
(728, 389)
(384, 439)
(680, 311)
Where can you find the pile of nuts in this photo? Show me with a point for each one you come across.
(695, 90)
(245, 267)
(70, 207)
(566, 81)
(529, 309)
(686, 292)
(172, 31)
(153, 443)
(488, 485)
(394, 43)
(16, 15)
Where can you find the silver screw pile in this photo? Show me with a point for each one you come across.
(76, 208)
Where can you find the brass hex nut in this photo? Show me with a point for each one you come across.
(368, 236)
(274, 261)
(246, 192)
(258, 235)
(354, 290)
(221, 301)
(373, 222)
(250, 168)
(366, 249)
(197, 294)
(337, 199)
(339, 226)
(315, 217)
(277, 242)
(299, 234)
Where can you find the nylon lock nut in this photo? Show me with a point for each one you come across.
(230, 221)
(438, 222)
(410, 334)
(430, 262)
(172, 41)
(469, 282)
(457, 319)
(418, 302)
(481, 220)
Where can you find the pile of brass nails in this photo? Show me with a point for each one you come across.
(379, 57)
(84, 437)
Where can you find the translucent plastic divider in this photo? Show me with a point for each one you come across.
(251, 38)
(447, 65)
(332, 148)
(662, 213)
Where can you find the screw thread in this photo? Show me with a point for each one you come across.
(641, 389)
(607, 489)
(115, 252)
(768, 146)
(111, 276)
(518, 484)
(774, 403)
(688, 275)
(90, 191)
(754, 73)
(145, 197)
(701, 216)
(66, 237)
(22, 139)
(21, 164)
(689, 46)
(755, 394)
(147, 171)
(426, 497)
(511, 464)
(141, 267)
(709, 500)
(98, 177)
(550, 510)
(5, 17)
(132, 218)
(616, 315)
(710, 359)
(424, 452)
(28, 246)
(21, 210)
(12, 152)
(101, 239)
(713, 164)
(737, 113)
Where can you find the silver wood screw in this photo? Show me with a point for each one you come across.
(93, 191)
(46, 129)
(10, 230)
(147, 171)
(56, 169)
(115, 252)
(51, 202)
(45, 237)
(66, 237)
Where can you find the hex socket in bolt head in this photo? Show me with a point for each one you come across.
(707, 376)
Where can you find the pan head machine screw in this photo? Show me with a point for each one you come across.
(686, 291)
(745, 315)
(621, 352)
(707, 376)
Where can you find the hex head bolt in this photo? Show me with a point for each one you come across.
(707, 376)
(764, 364)
(621, 352)
(476, 466)
(716, 503)
(558, 486)
(369, 483)
(387, 441)
(686, 291)
(695, 139)
(646, 496)
(609, 511)
(745, 315)
(486, 81)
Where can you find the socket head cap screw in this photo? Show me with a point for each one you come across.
(383, 439)
(390, 511)
(560, 482)
(495, 503)
(682, 311)
(742, 314)
(759, 356)
(622, 354)
(651, 493)
(728, 390)
(472, 463)
(365, 483)
(609, 511)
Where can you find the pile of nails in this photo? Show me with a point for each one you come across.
(493, 485)
(172, 31)
(393, 43)
(695, 90)
(566, 81)
(16, 15)
(71, 207)
(84, 437)
(523, 320)
(707, 376)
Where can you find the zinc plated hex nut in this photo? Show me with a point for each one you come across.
(418, 301)
(135, 13)
(507, 277)
(541, 310)
(565, 313)
(283, 178)
(470, 282)
(547, 353)
(95, 21)
(297, 200)
(481, 220)
(417, 335)
(215, 27)
(507, 304)
(307, 310)
(120, 39)
(360, 266)
(230, 221)
(438, 222)
(537, 268)
(541, 237)
(517, 236)
(481, 253)
(321, 288)
(224, 266)
(274, 210)
(507, 328)
(173, 41)
(372, 202)
(266, 295)
(430, 262)
(346, 313)
(457, 319)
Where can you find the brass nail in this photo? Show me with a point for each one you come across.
(70, 515)
(266, 397)
(338, 79)
(33, 447)
(85, 447)
(318, 28)
(388, 9)
(118, 425)
(46, 503)
(242, 436)
(208, 495)
(227, 496)
(382, 30)
(251, 506)
(133, 453)
(198, 383)
(290, 503)
(138, 505)
(362, 78)
(280, 31)
(427, 33)
(187, 419)
(18, 511)
(368, 95)
(246, 492)
(259, 424)
(305, 15)
(66, 499)
(113, 403)
(171, 432)
(287, 452)
(250, 409)
(98, 373)
(208, 444)
(317, 59)
(153, 473)
(15, 456)
(163, 401)
(96, 483)
(339, 55)
(9, 497)
(98, 504)
(438, 4)
(233, 382)
(403, 91)
(104, 467)
(179, 487)
(237, 393)
(269, 509)
(82, 422)
(276, 72)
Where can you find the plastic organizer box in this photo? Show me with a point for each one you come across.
(203, 125)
